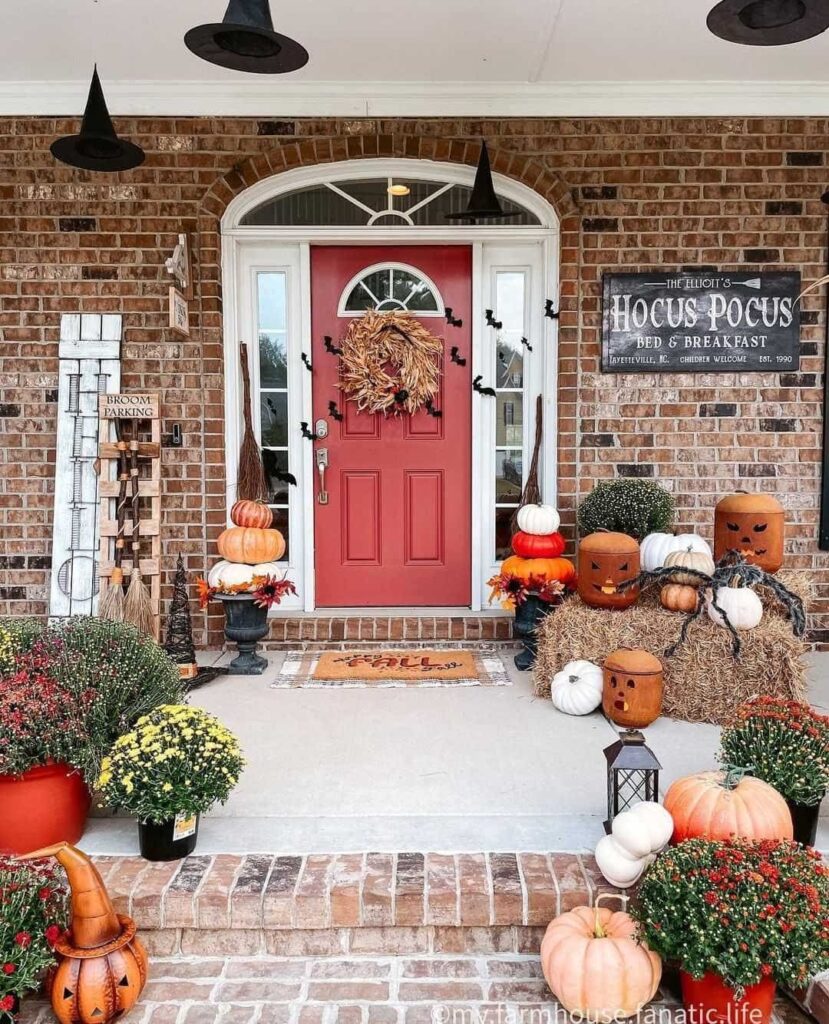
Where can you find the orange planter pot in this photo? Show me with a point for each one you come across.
(709, 1000)
(44, 806)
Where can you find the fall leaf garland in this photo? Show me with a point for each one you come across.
(390, 363)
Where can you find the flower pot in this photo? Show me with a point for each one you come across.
(245, 624)
(528, 615)
(708, 1000)
(43, 806)
(804, 819)
(170, 840)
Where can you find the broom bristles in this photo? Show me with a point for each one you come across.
(250, 480)
(111, 607)
(138, 606)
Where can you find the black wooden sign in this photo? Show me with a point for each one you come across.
(701, 321)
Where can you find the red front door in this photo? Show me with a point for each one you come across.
(397, 526)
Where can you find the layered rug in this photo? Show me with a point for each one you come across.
(391, 668)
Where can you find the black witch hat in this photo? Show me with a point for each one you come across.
(483, 203)
(245, 41)
(97, 147)
(769, 22)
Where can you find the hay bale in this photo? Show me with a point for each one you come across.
(703, 682)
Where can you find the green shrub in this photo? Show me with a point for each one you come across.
(635, 507)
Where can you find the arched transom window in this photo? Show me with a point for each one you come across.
(386, 287)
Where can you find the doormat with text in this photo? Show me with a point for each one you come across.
(391, 668)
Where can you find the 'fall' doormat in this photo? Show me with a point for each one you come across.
(391, 668)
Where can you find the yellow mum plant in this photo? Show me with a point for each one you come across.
(176, 760)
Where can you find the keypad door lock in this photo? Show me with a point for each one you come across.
(321, 429)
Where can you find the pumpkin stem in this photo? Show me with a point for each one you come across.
(733, 775)
(573, 679)
(598, 931)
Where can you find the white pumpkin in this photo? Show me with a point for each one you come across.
(230, 574)
(538, 519)
(215, 573)
(687, 559)
(617, 866)
(637, 835)
(742, 606)
(656, 547)
(269, 569)
(577, 689)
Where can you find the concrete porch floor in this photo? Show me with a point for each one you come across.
(454, 769)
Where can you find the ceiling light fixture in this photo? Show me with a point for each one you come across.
(399, 190)
(97, 146)
(245, 41)
(768, 22)
(483, 202)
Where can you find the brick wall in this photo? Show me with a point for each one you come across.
(734, 193)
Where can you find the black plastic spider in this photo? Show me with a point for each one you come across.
(730, 568)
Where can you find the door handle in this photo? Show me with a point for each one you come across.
(322, 465)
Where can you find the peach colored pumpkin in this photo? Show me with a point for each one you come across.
(561, 569)
(722, 805)
(251, 545)
(594, 965)
(252, 513)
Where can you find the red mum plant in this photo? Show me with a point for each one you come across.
(513, 591)
(33, 916)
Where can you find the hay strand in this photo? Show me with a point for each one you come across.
(251, 482)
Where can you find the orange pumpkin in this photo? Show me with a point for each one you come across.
(561, 569)
(596, 967)
(251, 545)
(677, 597)
(632, 688)
(725, 804)
(607, 560)
(533, 545)
(253, 514)
(754, 525)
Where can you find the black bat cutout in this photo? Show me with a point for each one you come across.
(335, 412)
(431, 410)
(453, 321)
(526, 344)
(476, 386)
(455, 356)
(285, 478)
(549, 312)
(331, 347)
(492, 322)
(307, 362)
(306, 433)
(401, 396)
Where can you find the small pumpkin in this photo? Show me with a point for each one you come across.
(606, 560)
(538, 519)
(741, 605)
(657, 546)
(632, 690)
(577, 688)
(561, 569)
(595, 965)
(537, 545)
(754, 525)
(636, 836)
(677, 597)
(724, 804)
(687, 558)
(252, 513)
(251, 545)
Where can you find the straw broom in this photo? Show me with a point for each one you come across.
(251, 484)
(112, 603)
(138, 607)
(531, 494)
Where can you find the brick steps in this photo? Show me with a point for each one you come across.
(461, 629)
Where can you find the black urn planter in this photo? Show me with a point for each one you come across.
(805, 821)
(245, 624)
(159, 842)
(528, 615)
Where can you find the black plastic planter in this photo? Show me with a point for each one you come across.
(158, 842)
(805, 820)
(527, 617)
(245, 624)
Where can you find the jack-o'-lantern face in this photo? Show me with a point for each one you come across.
(606, 561)
(632, 688)
(752, 525)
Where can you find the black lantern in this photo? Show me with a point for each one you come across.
(632, 774)
(768, 22)
(245, 41)
(484, 203)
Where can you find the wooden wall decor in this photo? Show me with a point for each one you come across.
(139, 419)
(89, 365)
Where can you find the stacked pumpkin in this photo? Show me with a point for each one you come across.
(537, 547)
(249, 548)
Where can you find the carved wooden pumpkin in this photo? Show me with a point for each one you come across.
(252, 513)
(725, 804)
(754, 525)
(561, 569)
(607, 560)
(632, 692)
(251, 545)
(102, 966)
(536, 545)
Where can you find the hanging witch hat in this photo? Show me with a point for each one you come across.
(245, 41)
(484, 203)
(768, 22)
(97, 147)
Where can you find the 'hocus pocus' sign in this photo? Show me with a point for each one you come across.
(700, 322)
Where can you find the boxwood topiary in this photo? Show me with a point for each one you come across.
(635, 507)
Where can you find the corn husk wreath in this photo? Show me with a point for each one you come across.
(378, 342)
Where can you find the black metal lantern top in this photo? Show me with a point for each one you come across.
(632, 774)
(245, 40)
(769, 22)
(484, 203)
(97, 146)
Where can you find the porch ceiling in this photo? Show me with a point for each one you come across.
(461, 57)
